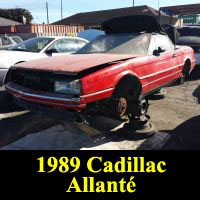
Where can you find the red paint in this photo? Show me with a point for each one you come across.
(73, 63)
(152, 72)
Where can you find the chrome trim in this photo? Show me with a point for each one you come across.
(41, 96)
(89, 95)
(161, 78)
(160, 72)
(51, 103)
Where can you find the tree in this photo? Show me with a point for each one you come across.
(17, 14)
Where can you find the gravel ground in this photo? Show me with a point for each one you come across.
(176, 118)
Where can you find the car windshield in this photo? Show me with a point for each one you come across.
(32, 45)
(118, 44)
(17, 39)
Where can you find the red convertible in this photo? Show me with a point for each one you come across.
(113, 73)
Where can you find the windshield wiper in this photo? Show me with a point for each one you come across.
(93, 52)
(18, 49)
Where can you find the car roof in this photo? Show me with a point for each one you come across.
(62, 37)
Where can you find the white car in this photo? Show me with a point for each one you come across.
(36, 48)
(9, 41)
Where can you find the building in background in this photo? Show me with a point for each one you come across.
(189, 14)
(8, 22)
(96, 18)
(191, 19)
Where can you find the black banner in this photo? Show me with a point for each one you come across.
(134, 174)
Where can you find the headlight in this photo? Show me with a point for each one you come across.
(73, 87)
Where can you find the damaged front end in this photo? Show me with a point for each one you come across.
(43, 92)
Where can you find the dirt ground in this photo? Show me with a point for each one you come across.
(176, 118)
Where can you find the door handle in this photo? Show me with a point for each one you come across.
(174, 55)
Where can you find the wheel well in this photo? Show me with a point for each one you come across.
(19, 62)
(187, 66)
(133, 82)
(5, 78)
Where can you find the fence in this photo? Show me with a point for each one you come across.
(42, 29)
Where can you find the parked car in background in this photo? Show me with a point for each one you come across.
(190, 36)
(8, 41)
(90, 34)
(113, 73)
(39, 47)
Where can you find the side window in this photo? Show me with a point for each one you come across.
(80, 43)
(164, 43)
(72, 45)
(152, 46)
(64, 46)
(6, 41)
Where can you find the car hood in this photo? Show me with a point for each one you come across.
(9, 58)
(74, 63)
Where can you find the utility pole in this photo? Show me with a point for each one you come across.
(133, 3)
(61, 10)
(158, 4)
(47, 8)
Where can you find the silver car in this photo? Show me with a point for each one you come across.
(8, 41)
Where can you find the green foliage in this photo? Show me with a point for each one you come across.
(17, 14)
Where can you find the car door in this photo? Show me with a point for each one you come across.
(161, 61)
(173, 70)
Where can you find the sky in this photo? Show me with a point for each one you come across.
(71, 7)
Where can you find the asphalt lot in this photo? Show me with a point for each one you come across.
(176, 118)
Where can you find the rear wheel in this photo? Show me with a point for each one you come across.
(185, 73)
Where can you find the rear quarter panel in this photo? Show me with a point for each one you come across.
(186, 53)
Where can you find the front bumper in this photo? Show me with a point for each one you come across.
(36, 108)
(55, 101)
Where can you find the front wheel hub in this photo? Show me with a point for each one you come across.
(122, 106)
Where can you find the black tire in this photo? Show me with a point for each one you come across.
(185, 73)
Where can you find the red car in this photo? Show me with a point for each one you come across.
(113, 73)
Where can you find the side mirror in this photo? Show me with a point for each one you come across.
(51, 51)
(161, 50)
(156, 53)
